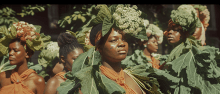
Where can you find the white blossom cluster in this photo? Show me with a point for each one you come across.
(127, 18)
(154, 30)
(187, 8)
(53, 46)
(184, 17)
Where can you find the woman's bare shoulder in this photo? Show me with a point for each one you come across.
(37, 79)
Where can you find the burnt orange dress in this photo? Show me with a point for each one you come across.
(18, 87)
(61, 74)
(119, 79)
(154, 63)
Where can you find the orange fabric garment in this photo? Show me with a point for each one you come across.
(61, 74)
(120, 80)
(18, 87)
(154, 63)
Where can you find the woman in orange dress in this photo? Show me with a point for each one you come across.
(21, 80)
(146, 53)
(69, 50)
(102, 72)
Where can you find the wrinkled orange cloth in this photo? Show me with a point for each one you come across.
(154, 63)
(18, 87)
(61, 74)
(120, 80)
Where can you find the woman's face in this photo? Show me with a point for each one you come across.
(115, 48)
(17, 53)
(72, 56)
(152, 45)
(173, 35)
(198, 32)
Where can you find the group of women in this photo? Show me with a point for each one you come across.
(105, 68)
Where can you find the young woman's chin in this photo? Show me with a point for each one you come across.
(13, 63)
(172, 42)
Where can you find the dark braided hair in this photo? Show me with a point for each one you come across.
(67, 43)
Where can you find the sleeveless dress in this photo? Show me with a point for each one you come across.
(18, 87)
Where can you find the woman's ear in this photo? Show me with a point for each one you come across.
(99, 49)
(26, 55)
(62, 59)
(144, 43)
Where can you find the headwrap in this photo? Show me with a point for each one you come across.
(25, 32)
(185, 16)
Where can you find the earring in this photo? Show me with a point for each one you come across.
(145, 46)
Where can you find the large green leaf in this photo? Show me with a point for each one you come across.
(65, 87)
(196, 66)
(87, 81)
(82, 60)
(35, 67)
(138, 58)
(5, 64)
(103, 13)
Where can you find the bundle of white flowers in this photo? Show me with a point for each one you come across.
(127, 18)
(187, 8)
(154, 30)
(53, 46)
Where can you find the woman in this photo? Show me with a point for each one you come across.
(148, 48)
(69, 50)
(102, 72)
(204, 16)
(21, 80)
(194, 66)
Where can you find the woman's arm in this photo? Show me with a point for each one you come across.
(40, 84)
(51, 86)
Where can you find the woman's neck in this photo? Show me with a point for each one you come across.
(65, 69)
(178, 43)
(21, 68)
(116, 66)
(147, 53)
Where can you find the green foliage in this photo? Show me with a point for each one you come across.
(200, 7)
(79, 14)
(30, 10)
(86, 69)
(81, 35)
(7, 16)
(4, 42)
(137, 58)
(35, 67)
(5, 64)
(140, 75)
(196, 66)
